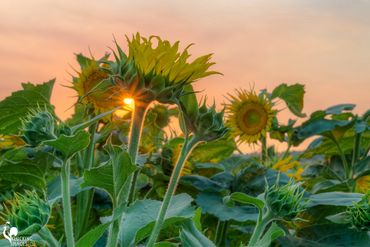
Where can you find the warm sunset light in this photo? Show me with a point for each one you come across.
(129, 103)
(231, 123)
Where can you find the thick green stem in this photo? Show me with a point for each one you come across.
(174, 180)
(287, 150)
(356, 150)
(220, 233)
(136, 128)
(261, 224)
(137, 122)
(46, 235)
(263, 149)
(113, 233)
(343, 157)
(85, 198)
(66, 198)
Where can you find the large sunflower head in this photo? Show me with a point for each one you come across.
(249, 116)
(155, 69)
(93, 87)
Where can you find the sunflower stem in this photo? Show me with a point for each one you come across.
(136, 129)
(137, 123)
(220, 233)
(66, 200)
(188, 146)
(262, 222)
(263, 149)
(85, 198)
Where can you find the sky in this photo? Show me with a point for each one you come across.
(322, 44)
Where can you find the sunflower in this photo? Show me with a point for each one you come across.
(94, 88)
(157, 70)
(290, 167)
(363, 184)
(154, 56)
(249, 116)
(10, 141)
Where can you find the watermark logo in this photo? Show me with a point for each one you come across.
(11, 232)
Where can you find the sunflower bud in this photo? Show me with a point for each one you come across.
(360, 214)
(285, 201)
(29, 213)
(38, 127)
(161, 115)
(206, 123)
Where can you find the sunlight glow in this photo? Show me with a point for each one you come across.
(129, 104)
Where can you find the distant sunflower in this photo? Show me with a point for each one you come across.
(363, 184)
(290, 167)
(249, 116)
(94, 88)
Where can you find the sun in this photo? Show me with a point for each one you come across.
(129, 104)
(249, 116)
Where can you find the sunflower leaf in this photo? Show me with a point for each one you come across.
(20, 103)
(292, 96)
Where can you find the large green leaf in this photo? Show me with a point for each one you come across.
(213, 203)
(140, 217)
(203, 183)
(362, 168)
(25, 166)
(330, 235)
(90, 238)
(317, 127)
(112, 175)
(292, 96)
(246, 199)
(213, 151)
(334, 199)
(18, 105)
(191, 237)
(69, 145)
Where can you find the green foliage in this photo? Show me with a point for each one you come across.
(70, 145)
(25, 166)
(292, 96)
(359, 214)
(112, 175)
(285, 201)
(191, 237)
(38, 127)
(29, 213)
(21, 103)
(140, 217)
(271, 234)
(90, 238)
(334, 199)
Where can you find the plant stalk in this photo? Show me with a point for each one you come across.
(343, 158)
(85, 198)
(263, 149)
(174, 180)
(137, 122)
(356, 150)
(261, 224)
(136, 129)
(66, 199)
(220, 233)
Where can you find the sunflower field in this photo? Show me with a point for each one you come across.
(145, 160)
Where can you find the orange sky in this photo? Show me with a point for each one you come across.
(323, 44)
